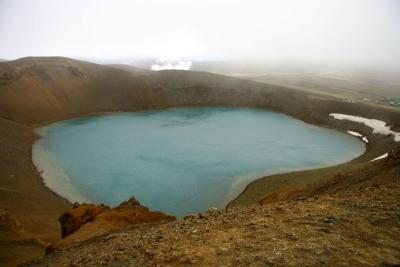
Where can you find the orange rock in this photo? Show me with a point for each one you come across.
(85, 221)
(72, 220)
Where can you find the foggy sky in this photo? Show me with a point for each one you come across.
(339, 31)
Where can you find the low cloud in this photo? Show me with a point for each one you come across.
(168, 65)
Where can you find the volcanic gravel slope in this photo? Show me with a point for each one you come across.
(350, 228)
(357, 226)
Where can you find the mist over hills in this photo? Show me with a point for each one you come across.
(373, 84)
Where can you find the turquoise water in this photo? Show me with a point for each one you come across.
(181, 160)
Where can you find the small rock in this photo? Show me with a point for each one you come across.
(110, 237)
(292, 237)
(330, 220)
(190, 217)
(202, 216)
(221, 251)
(151, 253)
(212, 211)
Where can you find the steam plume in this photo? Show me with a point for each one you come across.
(168, 65)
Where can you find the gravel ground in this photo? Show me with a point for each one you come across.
(351, 228)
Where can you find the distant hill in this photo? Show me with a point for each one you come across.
(130, 68)
(40, 89)
(362, 84)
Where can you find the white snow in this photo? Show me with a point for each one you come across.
(381, 157)
(377, 125)
(365, 139)
(355, 133)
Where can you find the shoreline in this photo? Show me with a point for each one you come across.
(306, 183)
(53, 177)
(58, 182)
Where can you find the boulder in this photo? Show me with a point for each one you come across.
(85, 221)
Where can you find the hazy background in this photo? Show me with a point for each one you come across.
(338, 32)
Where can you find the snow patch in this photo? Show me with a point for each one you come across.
(365, 139)
(377, 125)
(381, 157)
(355, 133)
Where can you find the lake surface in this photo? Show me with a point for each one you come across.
(181, 160)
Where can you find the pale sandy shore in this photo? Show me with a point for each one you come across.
(54, 177)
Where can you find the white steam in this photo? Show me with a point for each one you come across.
(167, 65)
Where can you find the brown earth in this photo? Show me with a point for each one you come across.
(24, 197)
(37, 91)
